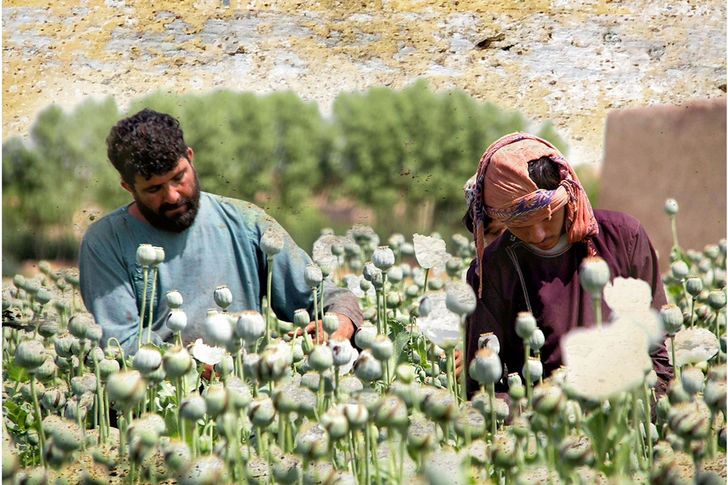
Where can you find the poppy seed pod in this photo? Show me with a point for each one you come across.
(261, 411)
(694, 286)
(147, 359)
(251, 364)
(364, 337)
(548, 399)
(78, 324)
(30, 354)
(453, 266)
(383, 258)
(395, 274)
(223, 297)
(238, 393)
(271, 243)
(525, 324)
(320, 358)
(193, 407)
(146, 255)
(108, 367)
(486, 367)
(679, 269)
(382, 348)
(335, 423)
(312, 275)
(671, 207)
(535, 368)
(216, 399)
(366, 367)
(218, 329)
(250, 326)
(43, 296)
(158, 255)
(177, 362)
(330, 322)
(717, 299)
(594, 275)
(174, 299)
(312, 442)
(711, 251)
(671, 318)
(63, 345)
(301, 318)
(460, 298)
(126, 388)
(176, 320)
(341, 350)
(390, 412)
(537, 339)
(692, 380)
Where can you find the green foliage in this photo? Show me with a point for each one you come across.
(405, 154)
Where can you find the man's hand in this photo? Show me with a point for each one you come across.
(345, 330)
(458, 362)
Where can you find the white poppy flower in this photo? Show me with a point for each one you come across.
(430, 251)
(604, 361)
(693, 345)
(205, 353)
(440, 326)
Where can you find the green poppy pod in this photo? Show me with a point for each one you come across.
(158, 255)
(330, 322)
(10, 464)
(356, 414)
(223, 297)
(537, 339)
(177, 362)
(301, 318)
(218, 329)
(261, 411)
(671, 207)
(216, 399)
(107, 367)
(312, 275)
(335, 423)
(548, 400)
(146, 255)
(440, 406)
(320, 358)
(147, 359)
(594, 275)
(176, 320)
(576, 450)
(689, 420)
(486, 367)
(382, 348)
(174, 299)
(176, 455)
(193, 407)
(454, 266)
(126, 388)
(692, 380)
(272, 241)
(312, 441)
(53, 400)
(525, 324)
(79, 323)
(238, 393)
(250, 326)
(48, 328)
(383, 258)
(489, 340)
(341, 350)
(43, 296)
(717, 299)
(694, 286)
(367, 367)
(365, 335)
(671, 318)
(391, 412)
(679, 269)
(470, 423)
(435, 284)
(30, 354)
(68, 436)
(395, 274)
(83, 384)
(535, 368)
(94, 333)
(460, 298)
(396, 240)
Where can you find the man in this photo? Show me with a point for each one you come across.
(208, 241)
(525, 183)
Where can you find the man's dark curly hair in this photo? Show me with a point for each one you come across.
(147, 143)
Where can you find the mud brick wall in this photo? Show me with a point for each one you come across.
(664, 151)
(571, 61)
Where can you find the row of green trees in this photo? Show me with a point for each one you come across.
(383, 149)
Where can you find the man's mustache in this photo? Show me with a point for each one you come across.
(166, 207)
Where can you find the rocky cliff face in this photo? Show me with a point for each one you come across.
(570, 61)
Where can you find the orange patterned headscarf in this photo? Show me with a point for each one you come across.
(504, 191)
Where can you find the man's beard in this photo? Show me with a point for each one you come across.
(176, 222)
